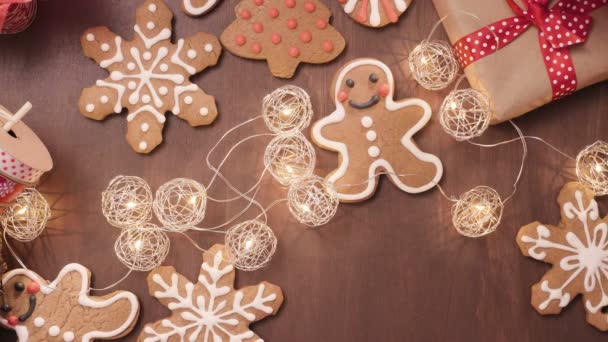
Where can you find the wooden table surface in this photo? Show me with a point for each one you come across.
(389, 269)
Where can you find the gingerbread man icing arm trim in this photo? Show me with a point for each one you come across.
(340, 114)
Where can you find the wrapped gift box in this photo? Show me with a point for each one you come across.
(526, 70)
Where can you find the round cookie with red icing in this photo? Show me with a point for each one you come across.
(284, 33)
(375, 13)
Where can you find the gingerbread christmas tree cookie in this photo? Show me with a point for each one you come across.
(209, 309)
(149, 76)
(283, 32)
(578, 250)
(63, 310)
(373, 134)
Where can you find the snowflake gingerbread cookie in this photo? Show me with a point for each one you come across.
(149, 76)
(209, 310)
(375, 13)
(63, 311)
(373, 134)
(578, 250)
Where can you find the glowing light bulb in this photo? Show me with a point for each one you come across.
(287, 111)
(598, 167)
(289, 169)
(131, 205)
(453, 105)
(192, 200)
(423, 60)
(305, 208)
(480, 207)
(249, 243)
(137, 245)
(22, 210)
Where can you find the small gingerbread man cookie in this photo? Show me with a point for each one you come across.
(63, 311)
(373, 134)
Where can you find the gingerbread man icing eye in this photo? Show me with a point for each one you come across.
(6, 308)
(350, 83)
(373, 78)
(19, 286)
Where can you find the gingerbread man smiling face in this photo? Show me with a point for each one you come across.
(373, 134)
(63, 311)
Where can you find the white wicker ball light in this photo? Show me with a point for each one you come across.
(127, 202)
(477, 212)
(433, 64)
(287, 110)
(289, 157)
(142, 248)
(26, 218)
(180, 204)
(312, 200)
(592, 167)
(251, 245)
(465, 114)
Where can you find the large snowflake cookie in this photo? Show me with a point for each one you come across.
(375, 13)
(209, 309)
(149, 76)
(63, 311)
(578, 250)
(283, 32)
(373, 134)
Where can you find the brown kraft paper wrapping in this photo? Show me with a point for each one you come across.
(514, 77)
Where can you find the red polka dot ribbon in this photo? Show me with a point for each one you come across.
(17, 170)
(565, 24)
(16, 15)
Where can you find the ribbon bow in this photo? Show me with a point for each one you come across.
(4, 9)
(565, 24)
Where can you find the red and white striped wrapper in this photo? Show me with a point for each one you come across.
(16, 15)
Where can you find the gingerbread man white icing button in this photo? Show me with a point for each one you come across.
(363, 93)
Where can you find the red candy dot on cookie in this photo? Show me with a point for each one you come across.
(290, 3)
(240, 40)
(342, 96)
(383, 90)
(257, 27)
(328, 46)
(256, 48)
(321, 24)
(273, 12)
(12, 320)
(305, 36)
(33, 288)
(276, 38)
(309, 6)
(342, 1)
(245, 14)
(258, 2)
(292, 24)
(294, 51)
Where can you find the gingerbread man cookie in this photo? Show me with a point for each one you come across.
(283, 32)
(209, 309)
(149, 76)
(373, 134)
(578, 250)
(375, 13)
(63, 311)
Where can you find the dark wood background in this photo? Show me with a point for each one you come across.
(390, 269)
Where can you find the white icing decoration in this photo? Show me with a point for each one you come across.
(143, 145)
(164, 67)
(175, 58)
(144, 127)
(191, 53)
(382, 164)
(208, 47)
(150, 25)
(147, 108)
(176, 94)
(145, 98)
(371, 135)
(163, 90)
(118, 57)
(149, 42)
(83, 300)
(132, 85)
(588, 257)
(68, 336)
(204, 111)
(39, 322)
(131, 66)
(146, 76)
(188, 100)
(152, 8)
(147, 55)
(120, 90)
(54, 331)
(90, 37)
(104, 99)
(194, 10)
(367, 122)
(374, 9)
(105, 47)
(213, 314)
(373, 151)
(90, 107)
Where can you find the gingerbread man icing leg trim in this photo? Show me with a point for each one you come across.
(367, 118)
(64, 308)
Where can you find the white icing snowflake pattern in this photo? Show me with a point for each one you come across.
(209, 310)
(149, 76)
(579, 252)
(7, 187)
